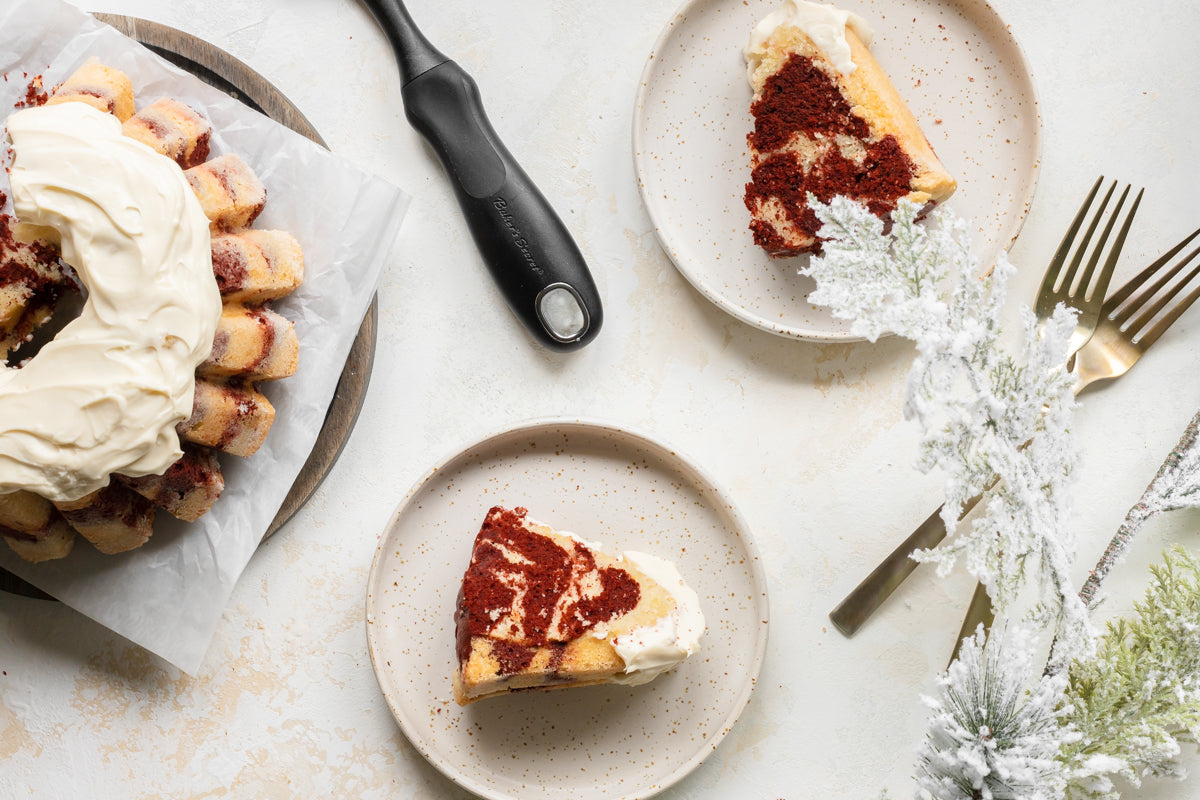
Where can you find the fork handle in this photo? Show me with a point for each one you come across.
(980, 612)
(861, 603)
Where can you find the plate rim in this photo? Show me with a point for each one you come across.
(593, 425)
(1010, 231)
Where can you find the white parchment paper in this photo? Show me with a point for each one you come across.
(168, 595)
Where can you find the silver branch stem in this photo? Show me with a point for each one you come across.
(1147, 506)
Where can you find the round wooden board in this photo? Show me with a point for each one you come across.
(217, 68)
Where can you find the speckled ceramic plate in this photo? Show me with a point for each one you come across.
(955, 62)
(605, 484)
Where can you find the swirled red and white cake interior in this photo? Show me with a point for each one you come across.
(827, 122)
(541, 609)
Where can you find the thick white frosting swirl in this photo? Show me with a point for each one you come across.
(821, 22)
(106, 394)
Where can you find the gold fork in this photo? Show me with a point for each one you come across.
(1076, 289)
(1083, 290)
(1128, 325)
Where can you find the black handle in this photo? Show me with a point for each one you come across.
(524, 243)
(414, 52)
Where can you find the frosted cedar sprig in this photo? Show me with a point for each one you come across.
(1138, 699)
(1124, 709)
(977, 405)
(1122, 706)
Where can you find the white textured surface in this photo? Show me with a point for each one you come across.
(806, 437)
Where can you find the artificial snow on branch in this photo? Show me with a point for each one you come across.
(984, 414)
(990, 735)
(1139, 697)
(999, 728)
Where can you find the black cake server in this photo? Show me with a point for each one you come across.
(525, 245)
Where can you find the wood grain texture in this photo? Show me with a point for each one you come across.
(217, 68)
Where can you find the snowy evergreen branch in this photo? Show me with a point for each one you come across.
(1122, 710)
(999, 729)
(977, 405)
(989, 735)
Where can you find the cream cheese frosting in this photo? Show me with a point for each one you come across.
(652, 650)
(106, 394)
(821, 22)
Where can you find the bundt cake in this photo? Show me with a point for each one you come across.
(252, 342)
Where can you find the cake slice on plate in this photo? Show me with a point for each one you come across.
(539, 609)
(827, 122)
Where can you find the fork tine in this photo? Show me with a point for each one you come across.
(1068, 279)
(1110, 264)
(1138, 281)
(1141, 305)
(1151, 336)
(1121, 295)
(1064, 247)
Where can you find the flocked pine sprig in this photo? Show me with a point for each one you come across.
(990, 735)
(1123, 709)
(1000, 729)
(976, 404)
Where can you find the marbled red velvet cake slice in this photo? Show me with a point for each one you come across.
(540, 609)
(827, 122)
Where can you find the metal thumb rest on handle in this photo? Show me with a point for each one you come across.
(527, 248)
